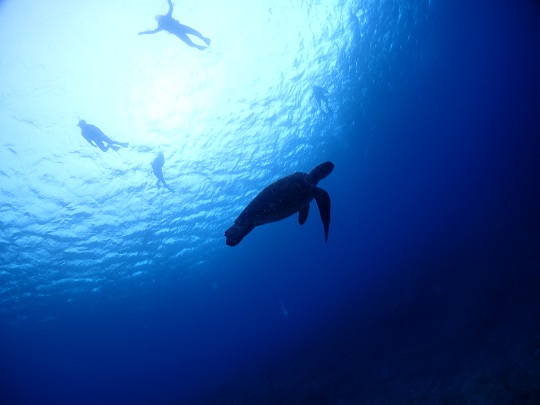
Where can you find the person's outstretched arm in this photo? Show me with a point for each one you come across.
(150, 31)
(169, 13)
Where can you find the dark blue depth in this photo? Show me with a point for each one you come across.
(427, 291)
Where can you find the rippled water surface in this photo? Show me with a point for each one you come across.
(228, 120)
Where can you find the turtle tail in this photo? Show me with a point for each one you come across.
(321, 171)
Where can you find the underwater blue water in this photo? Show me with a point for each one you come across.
(113, 290)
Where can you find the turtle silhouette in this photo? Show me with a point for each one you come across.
(283, 198)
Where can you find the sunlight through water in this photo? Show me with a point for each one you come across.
(228, 120)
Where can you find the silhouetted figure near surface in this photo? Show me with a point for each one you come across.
(96, 137)
(356, 27)
(172, 26)
(321, 97)
(157, 166)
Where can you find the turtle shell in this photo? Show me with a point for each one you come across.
(279, 200)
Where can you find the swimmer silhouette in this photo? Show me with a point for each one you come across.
(321, 97)
(96, 137)
(157, 166)
(172, 26)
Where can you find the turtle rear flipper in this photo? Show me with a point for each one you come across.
(303, 214)
(323, 202)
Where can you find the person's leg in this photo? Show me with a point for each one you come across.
(190, 31)
(167, 186)
(100, 145)
(105, 138)
(189, 42)
(122, 144)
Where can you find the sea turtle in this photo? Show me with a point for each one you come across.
(282, 199)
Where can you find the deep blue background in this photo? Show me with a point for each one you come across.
(439, 283)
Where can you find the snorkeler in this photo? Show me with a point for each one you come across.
(157, 166)
(96, 137)
(172, 26)
(321, 96)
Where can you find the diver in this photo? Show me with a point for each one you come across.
(96, 137)
(321, 97)
(157, 166)
(172, 26)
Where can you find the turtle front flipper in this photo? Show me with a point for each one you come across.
(323, 202)
(321, 171)
(303, 214)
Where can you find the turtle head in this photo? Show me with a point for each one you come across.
(236, 233)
